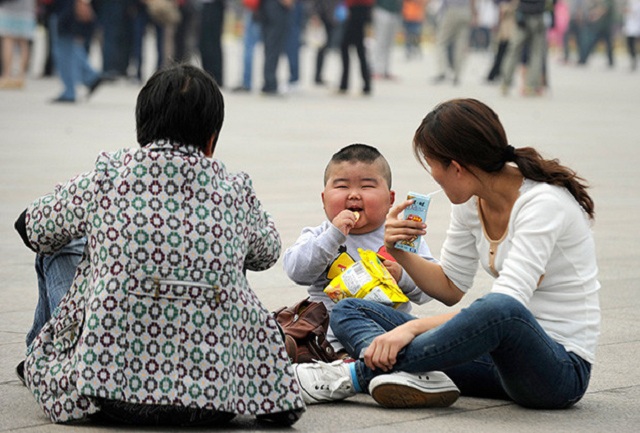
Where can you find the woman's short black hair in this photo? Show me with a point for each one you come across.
(181, 103)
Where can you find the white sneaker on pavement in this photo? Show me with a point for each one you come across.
(322, 381)
(406, 390)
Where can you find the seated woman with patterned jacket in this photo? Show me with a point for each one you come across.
(160, 325)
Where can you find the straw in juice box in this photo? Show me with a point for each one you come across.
(417, 211)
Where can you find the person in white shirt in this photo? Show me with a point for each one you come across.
(532, 338)
(631, 29)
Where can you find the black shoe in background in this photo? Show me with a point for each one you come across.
(94, 86)
(241, 89)
(284, 419)
(20, 372)
(62, 100)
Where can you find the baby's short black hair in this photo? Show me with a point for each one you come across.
(358, 152)
(181, 103)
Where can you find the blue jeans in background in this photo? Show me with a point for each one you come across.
(71, 60)
(294, 41)
(251, 37)
(494, 348)
(55, 275)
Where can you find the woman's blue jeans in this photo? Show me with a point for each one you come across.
(55, 274)
(494, 348)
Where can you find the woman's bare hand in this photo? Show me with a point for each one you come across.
(383, 351)
(397, 229)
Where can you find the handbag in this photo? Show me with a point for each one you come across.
(163, 12)
(305, 326)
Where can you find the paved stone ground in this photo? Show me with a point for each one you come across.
(589, 120)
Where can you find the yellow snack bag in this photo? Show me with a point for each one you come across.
(366, 279)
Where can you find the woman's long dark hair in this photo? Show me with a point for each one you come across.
(469, 132)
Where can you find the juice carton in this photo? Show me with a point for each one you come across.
(415, 212)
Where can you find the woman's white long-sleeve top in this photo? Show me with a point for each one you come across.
(546, 259)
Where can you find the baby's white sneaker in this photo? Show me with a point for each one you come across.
(322, 381)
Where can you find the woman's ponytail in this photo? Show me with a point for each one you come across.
(533, 166)
(469, 132)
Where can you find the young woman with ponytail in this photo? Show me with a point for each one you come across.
(527, 221)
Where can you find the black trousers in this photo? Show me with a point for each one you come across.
(359, 16)
(210, 40)
(274, 18)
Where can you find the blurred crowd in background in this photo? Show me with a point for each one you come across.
(515, 32)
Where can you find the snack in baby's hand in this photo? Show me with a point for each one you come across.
(357, 215)
(366, 279)
(415, 212)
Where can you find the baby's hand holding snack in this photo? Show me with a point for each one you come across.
(346, 220)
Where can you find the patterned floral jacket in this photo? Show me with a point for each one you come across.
(160, 310)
